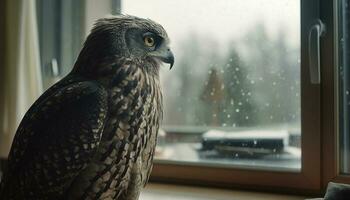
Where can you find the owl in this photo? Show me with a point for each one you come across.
(93, 134)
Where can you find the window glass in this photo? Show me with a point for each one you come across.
(233, 96)
(344, 85)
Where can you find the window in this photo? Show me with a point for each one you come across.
(242, 105)
(344, 86)
(61, 34)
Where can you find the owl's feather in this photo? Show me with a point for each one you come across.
(55, 140)
(93, 134)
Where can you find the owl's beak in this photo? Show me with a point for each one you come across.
(168, 57)
(165, 55)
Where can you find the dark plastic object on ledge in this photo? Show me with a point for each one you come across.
(336, 191)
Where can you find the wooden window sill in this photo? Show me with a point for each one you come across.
(154, 191)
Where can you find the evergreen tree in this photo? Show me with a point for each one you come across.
(240, 108)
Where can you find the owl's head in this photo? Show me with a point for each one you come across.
(124, 36)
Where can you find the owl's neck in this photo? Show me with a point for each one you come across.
(115, 69)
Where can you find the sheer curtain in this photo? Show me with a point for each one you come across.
(20, 75)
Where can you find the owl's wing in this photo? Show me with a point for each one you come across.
(55, 140)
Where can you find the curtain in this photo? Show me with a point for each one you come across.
(20, 75)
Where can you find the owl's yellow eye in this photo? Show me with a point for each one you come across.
(149, 41)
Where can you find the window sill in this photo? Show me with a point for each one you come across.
(155, 191)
